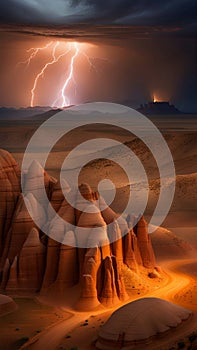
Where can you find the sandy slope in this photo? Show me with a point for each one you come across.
(189, 234)
(169, 245)
(30, 318)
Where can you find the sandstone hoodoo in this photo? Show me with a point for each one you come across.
(9, 191)
(32, 262)
(139, 321)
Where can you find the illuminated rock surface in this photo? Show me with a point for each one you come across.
(92, 255)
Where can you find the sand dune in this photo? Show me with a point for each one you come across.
(189, 234)
(167, 245)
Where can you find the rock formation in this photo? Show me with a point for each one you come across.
(158, 107)
(12, 283)
(57, 196)
(126, 328)
(130, 258)
(52, 261)
(144, 244)
(67, 275)
(21, 225)
(7, 305)
(31, 263)
(33, 180)
(5, 274)
(113, 290)
(92, 255)
(89, 294)
(9, 191)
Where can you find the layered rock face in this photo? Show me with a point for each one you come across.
(32, 262)
(9, 191)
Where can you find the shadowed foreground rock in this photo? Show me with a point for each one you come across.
(9, 191)
(7, 305)
(139, 321)
(32, 262)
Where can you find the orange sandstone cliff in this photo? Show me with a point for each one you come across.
(31, 262)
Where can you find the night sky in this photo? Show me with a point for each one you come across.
(132, 50)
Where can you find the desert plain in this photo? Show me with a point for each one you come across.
(50, 320)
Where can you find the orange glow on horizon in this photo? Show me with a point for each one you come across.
(156, 98)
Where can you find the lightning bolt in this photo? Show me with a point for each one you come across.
(35, 51)
(41, 73)
(89, 61)
(62, 93)
(70, 75)
(76, 50)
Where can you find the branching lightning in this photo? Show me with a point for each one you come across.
(41, 73)
(62, 95)
(65, 101)
(89, 61)
(73, 50)
(34, 52)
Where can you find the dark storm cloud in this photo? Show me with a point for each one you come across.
(109, 34)
(151, 12)
(129, 12)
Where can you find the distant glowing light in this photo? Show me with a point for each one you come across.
(156, 98)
